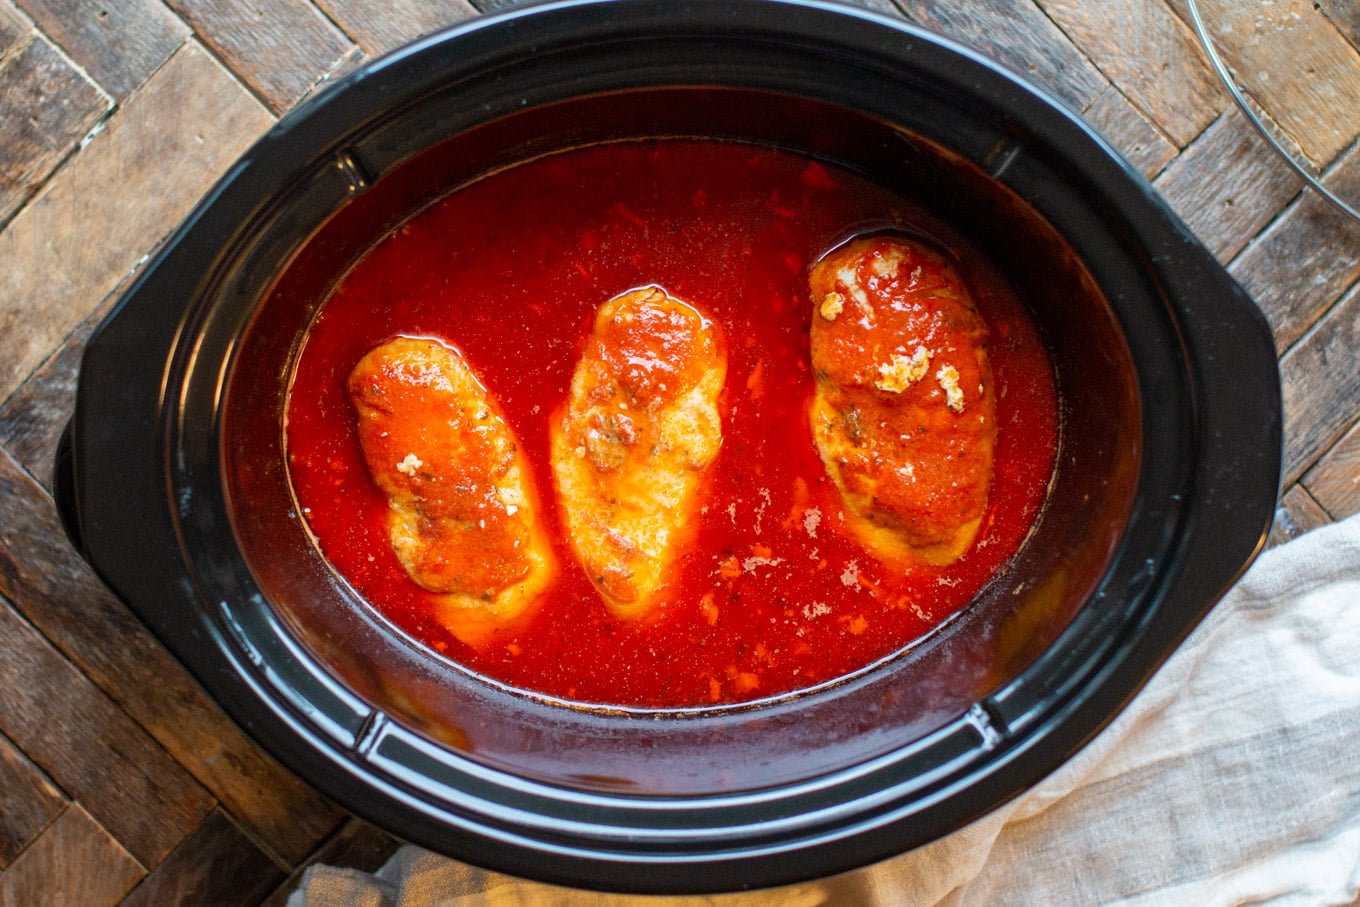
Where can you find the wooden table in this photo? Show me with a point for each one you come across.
(120, 781)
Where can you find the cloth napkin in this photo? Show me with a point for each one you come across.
(1233, 778)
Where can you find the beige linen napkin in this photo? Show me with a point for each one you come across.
(1232, 779)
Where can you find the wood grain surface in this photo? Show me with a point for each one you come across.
(281, 49)
(1290, 58)
(378, 28)
(121, 781)
(214, 864)
(112, 203)
(1227, 184)
(1334, 482)
(1145, 49)
(119, 44)
(50, 105)
(1123, 126)
(91, 748)
(32, 801)
(1018, 35)
(13, 27)
(75, 861)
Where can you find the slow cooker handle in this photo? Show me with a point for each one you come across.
(64, 490)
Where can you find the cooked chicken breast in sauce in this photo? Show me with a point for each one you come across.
(461, 511)
(904, 413)
(631, 445)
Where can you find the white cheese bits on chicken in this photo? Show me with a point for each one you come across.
(885, 265)
(912, 468)
(900, 372)
(948, 376)
(409, 465)
(847, 278)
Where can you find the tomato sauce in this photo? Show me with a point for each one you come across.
(775, 595)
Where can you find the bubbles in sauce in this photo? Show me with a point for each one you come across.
(775, 594)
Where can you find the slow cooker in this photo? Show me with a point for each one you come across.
(172, 480)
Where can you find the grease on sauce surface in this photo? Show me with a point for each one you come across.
(775, 592)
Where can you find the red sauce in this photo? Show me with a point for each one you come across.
(776, 595)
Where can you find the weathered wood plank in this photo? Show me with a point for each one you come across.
(31, 421)
(1345, 15)
(33, 418)
(215, 865)
(89, 746)
(120, 44)
(352, 59)
(30, 802)
(357, 845)
(281, 50)
(1129, 131)
(46, 106)
(1321, 386)
(114, 201)
(884, 7)
(1298, 266)
(1292, 61)
(491, 6)
(57, 592)
(1149, 53)
(1298, 513)
(378, 29)
(1018, 35)
(1228, 184)
(73, 862)
(1335, 480)
(14, 28)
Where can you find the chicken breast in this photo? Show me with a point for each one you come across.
(904, 413)
(462, 515)
(631, 445)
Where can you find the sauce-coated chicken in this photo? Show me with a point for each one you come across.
(461, 511)
(632, 443)
(904, 414)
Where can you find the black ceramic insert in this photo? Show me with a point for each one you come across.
(174, 486)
